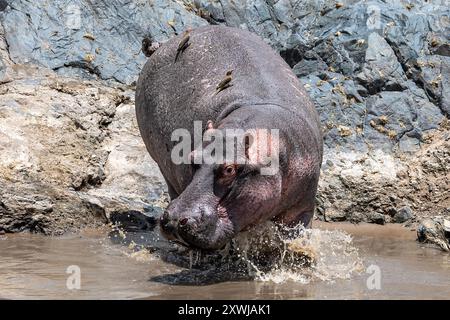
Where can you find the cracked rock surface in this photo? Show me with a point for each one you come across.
(71, 155)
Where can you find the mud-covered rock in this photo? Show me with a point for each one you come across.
(435, 230)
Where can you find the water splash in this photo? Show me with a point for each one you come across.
(141, 255)
(298, 254)
(268, 252)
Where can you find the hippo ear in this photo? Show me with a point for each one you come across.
(209, 125)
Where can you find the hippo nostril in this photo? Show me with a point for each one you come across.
(183, 221)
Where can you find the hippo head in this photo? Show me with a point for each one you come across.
(224, 197)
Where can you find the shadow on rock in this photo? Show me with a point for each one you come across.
(133, 221)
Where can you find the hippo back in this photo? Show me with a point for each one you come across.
(172, 92)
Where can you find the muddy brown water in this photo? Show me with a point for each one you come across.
(34, 267)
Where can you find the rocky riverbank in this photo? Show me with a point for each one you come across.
(71, 155)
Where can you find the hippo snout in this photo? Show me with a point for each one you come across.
(191, 228)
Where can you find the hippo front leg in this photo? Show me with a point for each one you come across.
(306, 218)
(292, 218)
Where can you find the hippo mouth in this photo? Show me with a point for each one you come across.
(194, 233)
(208, 237)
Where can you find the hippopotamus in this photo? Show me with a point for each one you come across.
(226, 78)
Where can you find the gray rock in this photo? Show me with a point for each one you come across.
(91, 39)
(381, 66)
(330, 215)
(403, 214)
(376, 217)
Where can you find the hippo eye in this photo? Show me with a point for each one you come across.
(224, 178)
(229, 170)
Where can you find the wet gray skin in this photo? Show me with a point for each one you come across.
(211, 203)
